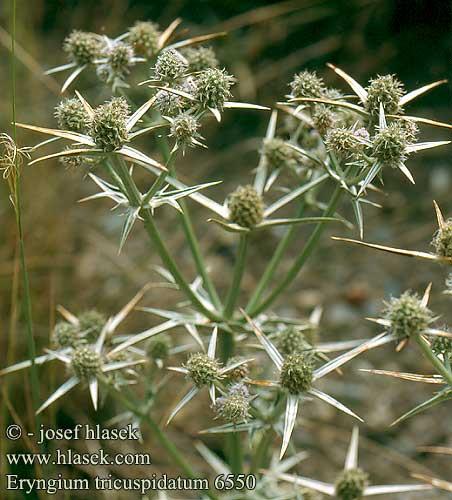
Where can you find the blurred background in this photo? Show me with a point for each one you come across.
(72, 249)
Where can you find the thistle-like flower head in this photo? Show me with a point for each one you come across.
(246, 207)
(144, 38)
(213, 87)
(91, 323)
(71, 115)
(108, 127)
(158, 348)
(85, 363)
(120, 57)
(442, 345)
(407, 315)
(82, 47)
(389, 145)
(442, 240)
(307, 84)
(170, 66)
(350, 485)
(296, 373)
(344, 142)
(234, 406)
(200, 58)
(279, 154)
(292, 340)
(202, 369)
(238, 373)
(66, 335)
(323, 118)
(388, 91)
(184, 128)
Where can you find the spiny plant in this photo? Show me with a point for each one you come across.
(326, 150)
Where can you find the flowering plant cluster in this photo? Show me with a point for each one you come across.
(323, 148)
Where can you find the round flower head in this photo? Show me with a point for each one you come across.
(235, 405)
(407, 315)
(85, 363)
(202, 369)
(389, 145)
(246, 207)
(144, 38)
(158, 348)
(71, 115)
(66, 335)
(120, 58)
(108, 126)
(82, 47)
(91, 323)
(238, 373)
(296, 373)
(323, 118)
(442, 241)
(350, 485)
(343, 142)
(72, 161)
(200, 58)
(184, 128)
(213, 87)
(442, 345)
(386, 90)
(292, 341)
(279, 154)
(170, 66)
(307, 84)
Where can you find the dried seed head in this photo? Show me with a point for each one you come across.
(279, 154)
(66, 335)
(202, 369)
(213, 87)
(108, 126)
(82, 47)
(91, 323)
(184, 128)
(120, 58)
(407, 315)
(296, 373)
(386, 90)
(389, 145)
(85, 363)
(159, 348)
(291, 340)
(344, 142)
(307, 84)
(144, 38)
(246, 207)
(238, 373)
(323, 118)
(71, 115)
(170, 66)
(350, 485)
(200, 58)
(442, 240)
(235, 405)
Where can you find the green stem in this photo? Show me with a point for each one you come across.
(173, 268)
(190, 235)
(273, 264)
(440, 368)
(151, 229)
(260, 456)
(17, 195)
(239, 268)
(301, 259)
